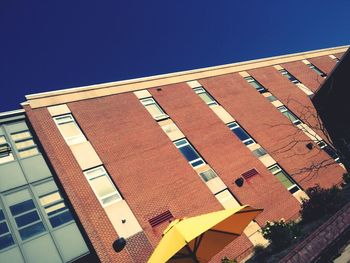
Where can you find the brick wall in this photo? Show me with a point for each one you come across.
(324, 63)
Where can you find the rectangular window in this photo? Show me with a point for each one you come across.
(205, 96)
(284, 178)
(329, 150)
(317, 70)
(271, 98)
(289, 76)
(154, 109)
(240, 133)
(5, 151)
(259, 152)
(56, 209)
(208, 175)
(189, 152)
(291, 116)
(255, 84)
(69, 129)
(25, 144)
(102, 186)
(26, 216)
(6, 239)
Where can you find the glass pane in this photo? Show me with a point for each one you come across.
(25, 144)
(62, 119)
(3, 228)
(70, 129)
(154, 110)
(51, 210)
(206, 97)
(22, 207)
(274, 169)
(2, 140)
(29, 152)
(232, 125)
(32, 230)
(189, 153)
(207, 175)
(50, 198)
(27, 218)
(2, 216)
(271, 98)
(259, 152)
(290, 116)
(181, 142)
(102, 186)
(281, 176)
(241, 134)
(330, 152)
(61, 219)
(111, 198)
(95, 172)
(196, 163)
(6, 241)
(256, 85)
(21, 135)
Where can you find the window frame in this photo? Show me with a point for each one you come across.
(9, 232)
(289, 76)
(245, 141)
(3, 157)
(294, 187)
(192, 162)
(158, 117)
(71, 140)
(317, 70)
(20, 150)
(283, 109)
(322, 144)
(202, 90)
(105, 173)
(261, 88)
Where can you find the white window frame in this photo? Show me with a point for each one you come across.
(9, 157)
(200, 90)
(149, 101)
(279, 169)
(104, 173)
(238, 126)
(285, 73)
(193, 161)
(26, 148)
(72, 139)
(250, 79)
(285, 109)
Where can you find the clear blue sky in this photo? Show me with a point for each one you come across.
(50, 45)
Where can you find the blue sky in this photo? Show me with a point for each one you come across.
(51, 45)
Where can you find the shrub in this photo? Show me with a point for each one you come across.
(346, 178)
(261, 253)
(227, 260)
(322, 202)
(281, 234)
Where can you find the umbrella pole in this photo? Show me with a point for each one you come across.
(192, 255)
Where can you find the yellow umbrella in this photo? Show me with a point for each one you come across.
(199, 238)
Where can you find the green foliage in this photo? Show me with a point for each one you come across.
(261, 253)
(227, 260)
(322, 202)
(346, 178)
(281, 234)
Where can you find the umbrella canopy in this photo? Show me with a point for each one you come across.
(199, 238)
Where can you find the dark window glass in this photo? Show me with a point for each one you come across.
(330, 151)
(194, 164)
(241, 134)
(2, 216)
(56, 211)
(6, 241)
(22, 207)
(32, 230)
(3, 228)
(27, 218)
(189, 153)
(61, 219)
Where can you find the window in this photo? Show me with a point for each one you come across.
(284, 178)
(240, 133)
(255, 84)
(334, 58)
(189, 152)
(289, 115)
(5, 150)
(6, 239)
(318, 71)
(55, 208)
(205, 96)
(154, 109)
(271, 98)
(208, 175)
(102, 186)
(69, 129)
(26, 216)
(259, 152)
(24, 143)
(289, 76)
(329, 150)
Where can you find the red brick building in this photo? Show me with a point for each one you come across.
(133, 154)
